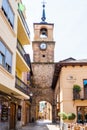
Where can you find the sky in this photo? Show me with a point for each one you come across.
(70, 26)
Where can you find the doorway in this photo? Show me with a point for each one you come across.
(12, 115)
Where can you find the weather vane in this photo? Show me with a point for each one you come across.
(43, 13)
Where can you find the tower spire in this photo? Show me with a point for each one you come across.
(43, 12)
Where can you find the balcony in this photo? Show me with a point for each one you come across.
(80, 96)
(20, 85)
(24, 23)
(23, 29)
(23, 53)
(22, 59)
(76, 95)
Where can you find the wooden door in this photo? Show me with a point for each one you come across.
(12, 116)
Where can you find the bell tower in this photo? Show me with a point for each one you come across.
(43, 66)
(43, 43)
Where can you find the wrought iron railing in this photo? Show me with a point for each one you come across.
(24, 22)
(76, 95)
(23, 53)
(20, 48)
(20, 85)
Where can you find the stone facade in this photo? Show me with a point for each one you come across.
(43, 67)
(41, 81)
(42, 75)
(43, 55)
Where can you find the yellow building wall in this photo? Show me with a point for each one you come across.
(18, 73)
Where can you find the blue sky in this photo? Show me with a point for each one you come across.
(70, 25)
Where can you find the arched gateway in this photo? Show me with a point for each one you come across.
(43, 67)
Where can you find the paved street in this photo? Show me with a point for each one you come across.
(41, 125)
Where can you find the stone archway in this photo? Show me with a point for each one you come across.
(48, 105)
(45, 110)
(42, 96)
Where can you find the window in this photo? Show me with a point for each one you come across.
(8, 59)
(8, 12)
(2, 48)
(4, 113)
(2, 54)
(85, 88)
(82, 114)
(5, 57)
(8, 67)
(43, 55)
(2, 59)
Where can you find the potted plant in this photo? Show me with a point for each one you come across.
(63, 116)
(71, 116)
(76, 90)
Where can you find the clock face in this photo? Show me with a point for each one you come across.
(43, 46)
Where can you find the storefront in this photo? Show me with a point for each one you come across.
(10, 112)
(82, 114)
(4, 112)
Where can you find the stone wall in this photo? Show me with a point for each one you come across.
(41, 85)
(42, 75)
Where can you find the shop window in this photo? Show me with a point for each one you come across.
(4, 113)
(8, 12)
(82, 114)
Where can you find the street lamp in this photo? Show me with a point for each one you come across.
(31, 94)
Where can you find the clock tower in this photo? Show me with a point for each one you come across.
(43, 66)
(43, 44)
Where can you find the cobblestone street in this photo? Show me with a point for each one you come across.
(41, 126)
